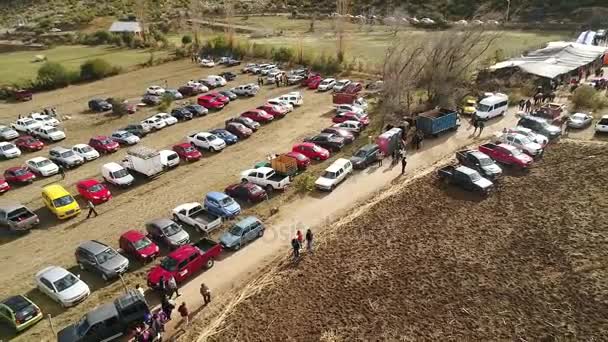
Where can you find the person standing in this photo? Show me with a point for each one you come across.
(184, 313)
(172, 287)
(300, 238)
(166, 306)
(295, 245)
(92, 210)
(379, 158)
(61, 171)
(309, 239)
(475, 123)
(522, 104)
(206, 293)
(403, 162)
(481, 124)
(419, 138)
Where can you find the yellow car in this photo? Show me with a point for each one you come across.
(60, 202)
(469, 106)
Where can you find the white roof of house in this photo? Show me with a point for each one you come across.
(556, 59)
(125, 26)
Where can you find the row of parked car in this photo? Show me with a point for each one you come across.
(26, 134)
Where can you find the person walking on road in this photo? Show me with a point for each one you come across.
(379, 158)
(475, 123)
(184, 313)
(309, 239)
(295, 245)
(419, 138)
(206, 293)
(167, 306)
(172, 287)
(403, 162)
(522, 104)
(92, 210)
(61, 171)
(528, 106)
(481, 124)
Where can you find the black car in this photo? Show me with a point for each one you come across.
(182, 114)
(252, 125)
(197, 110)
(230, 95)
(479, 162)
(208, 84)
(228, 75)
(348, 136)
(365, 156)
(137, 129)
(541, 126)
(151, 100)
(99, 105)
(233, 62)
(328, 141)
(187, 91)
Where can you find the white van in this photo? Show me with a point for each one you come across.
(115, 174)
(169, 159)
(293, 98)
(492, 106)
(334, 174)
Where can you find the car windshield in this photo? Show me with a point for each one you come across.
(525, 140)
(82, 326)
(106, 255)
(212, 137)
(67, 154)
(329, 175)
(65, 282)
(142, 243)
(226, 201)
(28, 122)
(485, 161)
(4, 129)
(43, 163)
(8, 147)
(105, 141)
(578, 116)
(236, 230)
(29, 140)
(189, 149)
(51, 130)
(603, 122)
(96, 188)
(86, 149)
(475, 176)
(169, 264)
(361, 153)
(171, 229)
(255, 189)
(61, 201)
(120, 173)
(483, 108)
(20, 172)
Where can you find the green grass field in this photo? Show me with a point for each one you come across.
(20, 66)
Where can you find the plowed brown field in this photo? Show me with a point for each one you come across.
(529, 263)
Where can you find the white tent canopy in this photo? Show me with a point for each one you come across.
(556, 59)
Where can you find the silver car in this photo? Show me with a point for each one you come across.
(7, 133)
(579, 120)
(167, 232)
(100, 258)
(65, 157)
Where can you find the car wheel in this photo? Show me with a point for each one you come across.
(261, 233)
(237, 247)
(269, 189)
(333, 187)
(209, 263)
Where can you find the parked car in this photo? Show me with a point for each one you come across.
(155, 90)
(258, 115)
(506, 154)
(252, 125)
(246, 90)
(65, 157)
(4, 186)
(230, 95)
(85, 151)
(198, 86)
(22, 95)
(151, 100)
(187, 152)
(99, 105)
(139, 129)
(233, 62)
(337, 172)
(49, 133)
(197, 110)
(182, 114)
(115, 174)
(125, 138)
(214, 81)
(239, 130)
(465, 178)
(210, 101)
(185, 262)
(17, 218)
(348, 136)
(9, 150)
(20, 312)
(60, 202)
(523, 143)
(294, 98)
(540, 126)
(479, 162)
(275, 111)
(365, 156)
(155, 123)
(311, 151)
(242, 232)
(45, 119)
(42, 166)
(194, 215)
(167, 232)
(247, 191)
(355, 127)
(103, 144)
(302, 161)
(29, 143)
(225, 135)
(248, 67)
(26, 125)
(353, 88)
(137, 245)
(221, 204)
(340, 85)
(228, 76)
(343, 108)
(206, 141)
(312, 82)
(326, 84)
(207, 63)
(602, 125)
(294, 79)
(328, 141)
(530, 134)
(188, 91)
(7, 133)
(267, 178)
(169, 159)
(351, 116)
(94, 191)
(19, 175)
(174, 94)
(62, 286)
(168, 119)
(579, 120)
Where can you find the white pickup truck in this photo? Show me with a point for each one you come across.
(193, 214)
(266, 177)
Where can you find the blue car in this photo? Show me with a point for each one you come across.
(223, 134)
(220, 204)
(242, 233)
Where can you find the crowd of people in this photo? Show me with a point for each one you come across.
(280, 80)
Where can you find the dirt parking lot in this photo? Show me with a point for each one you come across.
(54, 242)
(434, 263)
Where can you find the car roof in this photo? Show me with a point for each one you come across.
(184, 145)
(325, 135)
(465, 170)
(52, 273)
(132, 235)
(37, 159)
(101, 313)
(88, 182)
(80, 145)
(16, 303)
(216, 195)
(369, 147)
(4, 143)
(182, 252)
(604, 116)
(247, 221)
(120, 132)
(336, 165)
(296, 155)
(59, 149)
(55, 189)
(309, 144)
(99, 137)
(479, 155)
(112, 167)
(93, 246)
(161, 222)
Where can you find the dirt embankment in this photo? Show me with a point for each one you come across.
(434, 263)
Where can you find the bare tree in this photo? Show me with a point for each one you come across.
(342, 7)
(141, 11)
(229, 30)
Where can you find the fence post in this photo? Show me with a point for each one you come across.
(48, 316)
(124, 284)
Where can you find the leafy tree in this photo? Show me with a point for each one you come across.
(96, 69)
(187, 39)
(54, 75)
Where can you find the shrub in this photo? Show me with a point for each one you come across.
(282, 54)
(53, 75)
(95, 69)
(165, 104)
(119, 106)
(587, 97)
(187, 39)
(304, 183)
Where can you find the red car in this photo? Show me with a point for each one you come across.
(506, 154)
(238, 129)
(187, 152)
(312, 77)
(219, 97)
(19, 175)
(210, 102)
(313, 83)
(302, 160)
(138, 245)
(351, 116)
(29, 143)
(247, 191)
(311, 150)
(348, 136)
(4, 187)
(104, 144)
(353, 88)
(92, 190)
(258, 115)
(185, 262)
(275, 111)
